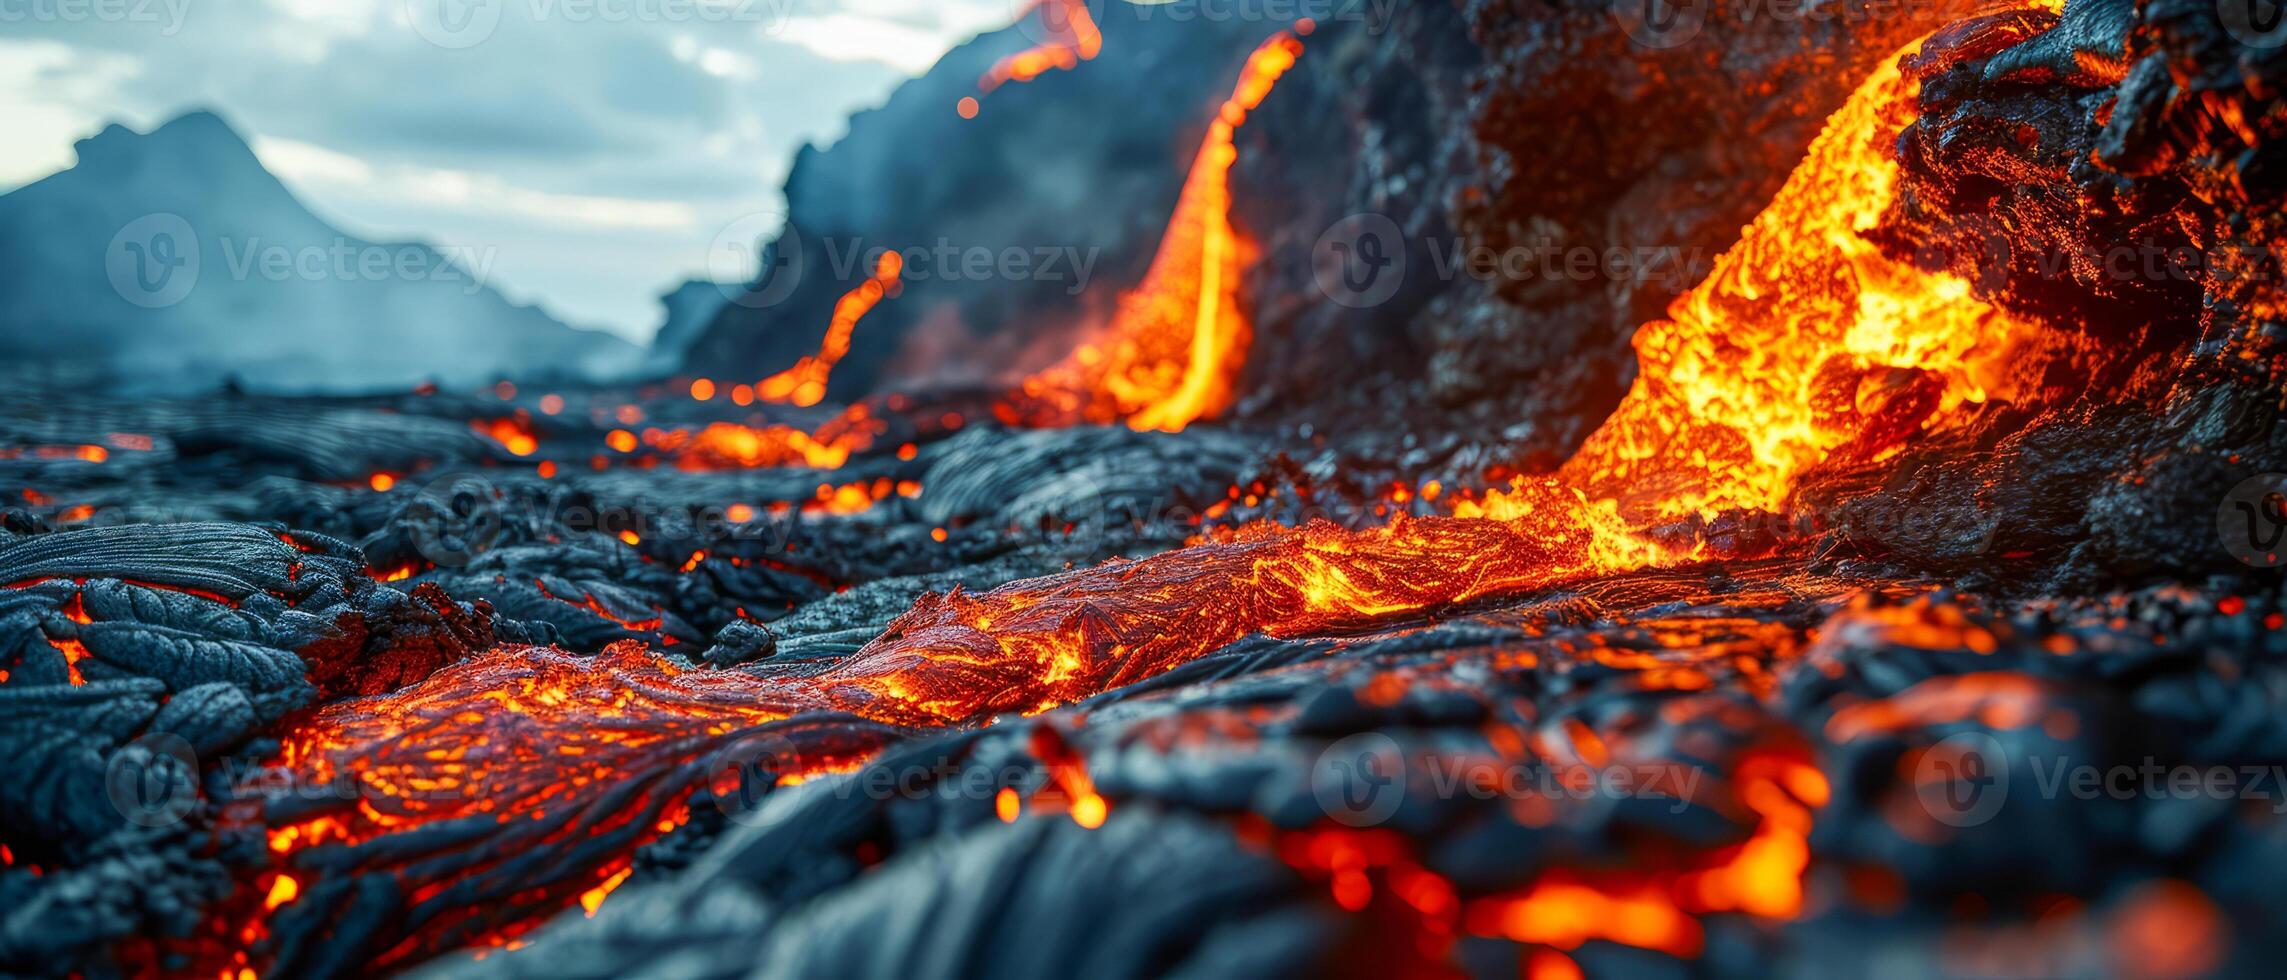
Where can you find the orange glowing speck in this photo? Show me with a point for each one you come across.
(593, 898)
(1006, 805)
(1089, 811)
(282, 891)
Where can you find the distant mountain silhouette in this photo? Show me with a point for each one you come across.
(171, 260)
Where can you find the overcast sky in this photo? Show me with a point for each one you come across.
(596, 146)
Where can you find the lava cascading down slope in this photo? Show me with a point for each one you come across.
(731, 445)
(1798, 347)
(1736, 397)
(804, 383)
(1174, 348)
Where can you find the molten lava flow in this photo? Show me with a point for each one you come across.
(1846, 352)
(1178, 341)
(1074, 39)
(804, 384)
(1658, 909)
(1805, 345)
(564, 764)
(1053, 640)
(859, 497)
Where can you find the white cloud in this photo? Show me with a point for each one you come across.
(42, 85)
(300, 163)
(856, 37)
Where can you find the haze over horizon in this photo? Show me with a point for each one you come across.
(594, 148)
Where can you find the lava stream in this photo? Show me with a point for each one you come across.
(1075, 39)
(1175, 347)
(804, 384)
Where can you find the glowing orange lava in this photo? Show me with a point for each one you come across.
(729, 445)
(804, 384)
(1804, 344)
(513, 433)
(1177, 343)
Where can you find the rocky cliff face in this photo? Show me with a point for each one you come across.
(1555, 175)
(172, 260)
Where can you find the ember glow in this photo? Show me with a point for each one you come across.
(730, 445)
